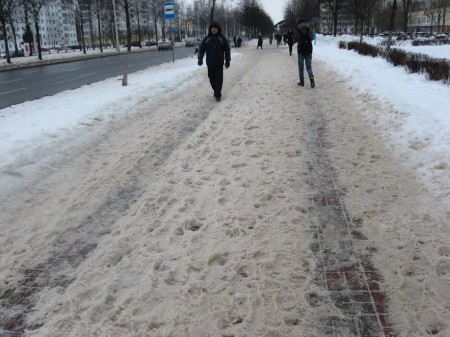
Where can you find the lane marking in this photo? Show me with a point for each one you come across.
(88, 74)
(19, 79)
(9, 92)
(74, 69)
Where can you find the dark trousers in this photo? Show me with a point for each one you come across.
(290, 49)
(215, 74)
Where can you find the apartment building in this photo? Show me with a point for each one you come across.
(57, 27)
(427, 20)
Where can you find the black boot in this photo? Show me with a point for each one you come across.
(301, 83)
(313, 84)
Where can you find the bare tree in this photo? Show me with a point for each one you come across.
(98, 10)
(407, 6)
(156, 9)
(334, 6)
(127, 59)
(135, 9)
(212, 11)
(3, 15)
(363, 12)
(11, 8)
(392, 22)
(34, 7)
(302, 9)
(441, 8)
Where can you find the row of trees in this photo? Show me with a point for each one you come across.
(367, 14)
(143, 19)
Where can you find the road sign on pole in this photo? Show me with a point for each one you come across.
(169, 14)
(169, 10)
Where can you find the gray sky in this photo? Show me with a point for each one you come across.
(274, 8)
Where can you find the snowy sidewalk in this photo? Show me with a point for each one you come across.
(276, 212)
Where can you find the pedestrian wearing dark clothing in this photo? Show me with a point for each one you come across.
(217, 50)
(290, 40)
(239, 42)
(279, 38)
(260, 42)
(235, 40)
(304, 50)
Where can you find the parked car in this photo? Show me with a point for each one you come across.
(191, 42)
(164, 45)
(151, 43)
(441, 37)
(133, 44)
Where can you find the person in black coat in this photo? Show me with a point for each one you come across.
(217, 50)
(260, 42)
(290, 40)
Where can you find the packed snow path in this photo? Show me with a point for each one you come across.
(276, 212)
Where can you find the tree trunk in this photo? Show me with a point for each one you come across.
(13, 31)
(139, 28)
(38, 34)
(406, 8)
(391, 24)
(335, 22)
(156, 30)
(99, 28)
(91, 28)
(5, 37)
(83, 43)
(127, 59)
(212, 11)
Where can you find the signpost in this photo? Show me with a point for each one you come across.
(169, 14)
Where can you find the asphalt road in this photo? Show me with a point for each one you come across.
(21, 85)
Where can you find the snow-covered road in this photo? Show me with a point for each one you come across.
(279, 211)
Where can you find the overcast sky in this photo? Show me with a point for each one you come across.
(274, 8)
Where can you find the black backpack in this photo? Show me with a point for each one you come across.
(304, 46)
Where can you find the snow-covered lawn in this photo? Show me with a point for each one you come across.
(420, 128)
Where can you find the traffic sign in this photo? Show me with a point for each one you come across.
(169, 10)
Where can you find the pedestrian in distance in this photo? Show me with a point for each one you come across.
(290, 40)
(239, 42)
(217, 50)
(270, 39)
(235, 41)
(260, 42)
(279, 38)
(304, 51)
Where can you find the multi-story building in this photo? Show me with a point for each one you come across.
(56, 26)
(430, 19)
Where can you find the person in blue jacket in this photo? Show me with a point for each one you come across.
(305, 36)
(217, 50)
